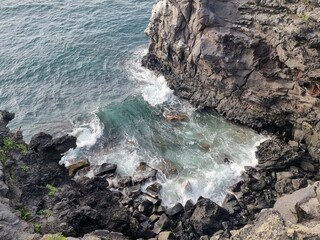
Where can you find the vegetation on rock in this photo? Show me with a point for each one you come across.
(53, 190)
(10, 145)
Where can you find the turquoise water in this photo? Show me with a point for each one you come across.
(74, 67)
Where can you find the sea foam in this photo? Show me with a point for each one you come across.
(154, 88)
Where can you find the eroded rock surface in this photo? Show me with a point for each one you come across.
(255, 62)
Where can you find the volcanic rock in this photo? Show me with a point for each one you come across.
(74, 167)
(143, 173)
(254, 62)
(162, 224)
(105, 168)
(274, 154)
(268, 225)
(208, 217)
(174, 210)
(175, 116)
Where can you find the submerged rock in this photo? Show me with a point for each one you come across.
(175, 116)
(143, 173)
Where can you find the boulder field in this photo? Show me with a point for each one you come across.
(42, 200)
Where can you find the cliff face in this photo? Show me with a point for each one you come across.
(254, 62)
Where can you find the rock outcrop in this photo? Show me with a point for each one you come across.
(254, 62)
(38, 197)
(294, 216)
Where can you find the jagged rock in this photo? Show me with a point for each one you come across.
(174, 210)
(268, 225)
(11, 227)
(162, 224)
(74, 167)
(146, 207)
(231, 204)
(145, 233)
(158, 209)
(103, 234)
(274, 154)
(284, 175)
(300, 231)
(154, 189)
(208, 217)
(133, 190)
(105, 168)
(82, 172)
(293, 207)
(122, 181)
(153, 218)
(49, 148)
(308, 166)
(5, 118)
(284, 186)
(187, 187)
(188, 209)
(143, 173)
(166, 235)
(290, 185)
(156, 201)
(251, 61)
(139, 216)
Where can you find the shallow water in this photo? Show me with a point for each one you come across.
(74, 67)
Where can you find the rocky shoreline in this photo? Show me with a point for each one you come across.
(255, 63)
(40, 199)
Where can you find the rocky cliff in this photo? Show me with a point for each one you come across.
(254, 62)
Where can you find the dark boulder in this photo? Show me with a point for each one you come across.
(105, 168)
(207, 217)
(275, 155)
(50, 149)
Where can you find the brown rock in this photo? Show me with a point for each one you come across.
(205, 147)
(165, 235)
(74, 167)
(175, 116)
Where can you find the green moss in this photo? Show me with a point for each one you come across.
(57, 236)
(37, 228)
(52, 190)
(45, 212)
(24, 213)
(3, 156)
(305, 17)
(10, 145)
(24, 168)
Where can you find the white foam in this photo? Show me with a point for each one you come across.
(88, 133)
(154, 89)
(211, 182)
(157, 92)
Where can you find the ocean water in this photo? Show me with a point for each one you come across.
(74, 67)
